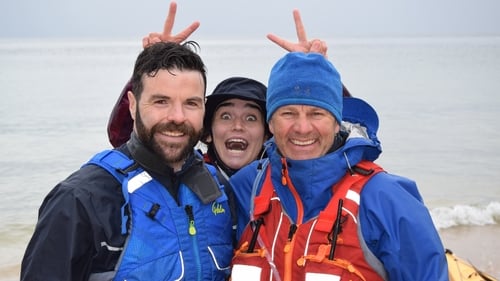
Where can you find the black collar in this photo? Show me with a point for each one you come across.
(193, 173)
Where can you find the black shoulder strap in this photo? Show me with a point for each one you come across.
(228, 189)
(118, 165)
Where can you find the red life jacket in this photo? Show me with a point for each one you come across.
(302, 251)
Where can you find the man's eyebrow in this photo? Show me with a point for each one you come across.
(160, 96)
(196, 99)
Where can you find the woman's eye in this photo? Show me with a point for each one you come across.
(225, 116)
(251, 118)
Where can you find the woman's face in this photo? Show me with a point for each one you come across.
(238, 132)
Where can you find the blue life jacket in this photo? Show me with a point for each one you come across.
(167, 240)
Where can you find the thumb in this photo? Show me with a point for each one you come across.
(318, 46)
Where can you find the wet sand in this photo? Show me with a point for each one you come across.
(9, 272)
(479, 245)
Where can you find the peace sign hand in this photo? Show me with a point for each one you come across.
(166, 35)
(303, 45)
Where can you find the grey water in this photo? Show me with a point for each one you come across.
(438, 102)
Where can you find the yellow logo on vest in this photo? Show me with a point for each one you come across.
(217, 208)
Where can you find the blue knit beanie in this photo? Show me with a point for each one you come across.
(308, 79)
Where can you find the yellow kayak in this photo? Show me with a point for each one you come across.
(461, 270)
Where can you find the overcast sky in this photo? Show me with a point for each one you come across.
(131, 19)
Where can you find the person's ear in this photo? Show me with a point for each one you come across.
(337, 127)
(271, 127)
(132, 104)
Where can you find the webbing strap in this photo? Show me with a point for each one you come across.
(327, 216)
(263, 200)
(160, 215)
(116, 163)
(113, 161)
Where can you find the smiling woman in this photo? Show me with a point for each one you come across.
(234, 126)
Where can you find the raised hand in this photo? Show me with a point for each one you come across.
(166, 35)
(303, 45)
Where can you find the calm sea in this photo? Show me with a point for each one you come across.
(438, 102)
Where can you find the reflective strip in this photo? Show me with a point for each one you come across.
(214, 258)
(182, 266)
(102, 276)
(111, 248)
(138, 181)
(350, 214)
(352, 195)
(245, 272)
(308, 241)
(310, 276)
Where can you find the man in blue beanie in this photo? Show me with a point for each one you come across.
(319, 208)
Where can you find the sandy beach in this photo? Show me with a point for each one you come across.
(477, 244)
(9, 273)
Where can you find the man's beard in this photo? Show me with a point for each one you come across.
(171, 153)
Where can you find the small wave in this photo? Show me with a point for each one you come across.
(445, 217)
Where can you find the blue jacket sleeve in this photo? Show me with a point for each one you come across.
(399, 230)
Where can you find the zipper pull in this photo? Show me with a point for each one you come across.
(283, 171)
(256, 223)
(189, 212)
(291, 232)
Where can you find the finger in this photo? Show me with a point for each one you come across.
(183, 35)
(318, 46)
(154, 36)
(280, 42)
(151, 39)
(154, 40)
(325, 49)
(145, 42)
(315, 46)
(169, 22)
(299, 27)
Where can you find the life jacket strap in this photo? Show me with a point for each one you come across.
(327, 217)
(119, 165)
